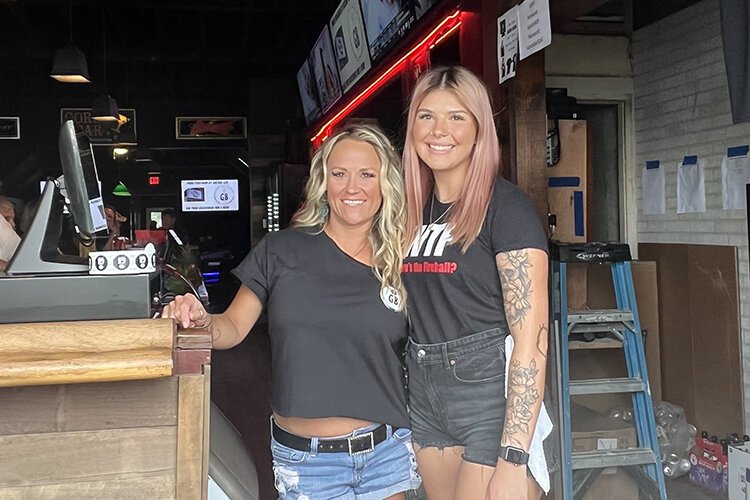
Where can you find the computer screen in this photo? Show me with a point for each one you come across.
(349, 43)
(386, 21)
(325, 71)
(38, 252)
(81, 180)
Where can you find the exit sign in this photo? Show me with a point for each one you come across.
(153, 180)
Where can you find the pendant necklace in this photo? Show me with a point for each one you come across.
(440, 217)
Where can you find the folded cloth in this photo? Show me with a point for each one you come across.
(537, 461)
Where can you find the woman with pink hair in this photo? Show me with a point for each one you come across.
(476, 273)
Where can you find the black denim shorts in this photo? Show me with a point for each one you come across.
(457, 394)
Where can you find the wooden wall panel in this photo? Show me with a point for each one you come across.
(35, 459)
(143, 487)
(700, 332)
(111, 405)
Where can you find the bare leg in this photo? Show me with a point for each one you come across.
(397, 496)
(439, 470)
(473, 480)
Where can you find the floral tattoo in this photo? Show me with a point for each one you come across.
(514, 277)
(522, 396)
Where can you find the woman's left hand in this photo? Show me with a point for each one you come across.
(509, 482)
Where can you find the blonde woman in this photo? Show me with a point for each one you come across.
(337, 326)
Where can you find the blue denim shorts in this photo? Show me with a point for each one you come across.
(457, 394)
(389, 469)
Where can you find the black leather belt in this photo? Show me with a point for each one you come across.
(354, 445)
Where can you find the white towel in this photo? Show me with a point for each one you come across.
(537, 461)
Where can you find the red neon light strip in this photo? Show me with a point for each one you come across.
(387, 74)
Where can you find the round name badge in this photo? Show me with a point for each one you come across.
(391, 298)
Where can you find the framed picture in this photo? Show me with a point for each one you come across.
(10, 127)
(211, 127)
(119, 133)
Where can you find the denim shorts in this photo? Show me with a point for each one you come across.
(457, 394)
(389, 469)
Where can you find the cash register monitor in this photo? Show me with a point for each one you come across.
(38, 251)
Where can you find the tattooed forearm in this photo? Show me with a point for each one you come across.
(514, 276)
(541, 340)
(522, 397)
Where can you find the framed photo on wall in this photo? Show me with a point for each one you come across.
(211, 127)
(10, 127)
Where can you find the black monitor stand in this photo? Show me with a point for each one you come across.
(37, 253)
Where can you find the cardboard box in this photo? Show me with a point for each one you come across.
(738, 474)
(612, 484)
(590, 287)
(708, 465)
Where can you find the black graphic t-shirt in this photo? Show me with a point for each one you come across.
(452, 295)
(335, 342)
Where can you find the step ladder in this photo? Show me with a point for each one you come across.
(622, 328)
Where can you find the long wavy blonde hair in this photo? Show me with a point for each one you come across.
(387, 231)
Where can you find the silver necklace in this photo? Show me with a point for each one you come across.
(432, 205)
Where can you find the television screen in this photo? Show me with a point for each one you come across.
(349, 43)
(307, 93)
(422, 6)
(324, 69)
(386, 21)
(210, 195)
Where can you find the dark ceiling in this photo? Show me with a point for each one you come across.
(265, 38)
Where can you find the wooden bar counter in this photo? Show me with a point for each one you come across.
(103, 409)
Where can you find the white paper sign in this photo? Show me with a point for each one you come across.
(534, 27)
(735, 173)
(507, 44)
(691, 187)
(652, 188)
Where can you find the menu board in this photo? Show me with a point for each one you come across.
(307, 93)
(386, 21)
(324, 69)
(349, 43)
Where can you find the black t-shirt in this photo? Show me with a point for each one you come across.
(336, 347)
(451, 294)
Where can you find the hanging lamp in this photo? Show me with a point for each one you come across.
(69, 65)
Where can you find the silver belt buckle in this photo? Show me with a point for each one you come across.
(361, 437)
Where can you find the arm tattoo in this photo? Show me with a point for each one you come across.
(541, 340)
(514, 277)
(522, 396)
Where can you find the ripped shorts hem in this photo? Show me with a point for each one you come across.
(435, 444)
(405, 485)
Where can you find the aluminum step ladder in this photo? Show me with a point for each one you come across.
(621, 325)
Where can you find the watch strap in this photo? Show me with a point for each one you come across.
(513, 455)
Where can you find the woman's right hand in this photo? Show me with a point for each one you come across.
(187, 311)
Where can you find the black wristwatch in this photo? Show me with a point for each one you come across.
(513, 455)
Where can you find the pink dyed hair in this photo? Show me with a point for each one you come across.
(468, 212)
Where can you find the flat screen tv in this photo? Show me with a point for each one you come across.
(349, 43)
(324, 69)
(308, 93)
(78, 190)
(386, 21)
(210, 195)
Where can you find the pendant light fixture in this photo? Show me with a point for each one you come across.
(104, 108)
(69, 65)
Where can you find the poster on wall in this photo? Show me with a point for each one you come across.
(325, 72)
(121, 132)
(349, 43)
(307, 93)
(386, 21)
(507, 44)
(10, 127)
